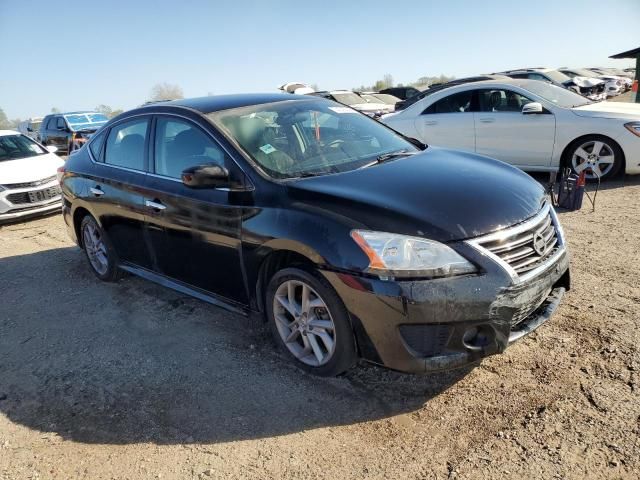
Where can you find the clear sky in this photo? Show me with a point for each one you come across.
(76, 55)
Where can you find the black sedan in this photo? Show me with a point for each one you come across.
(351, 240)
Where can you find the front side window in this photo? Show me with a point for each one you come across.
(307, 137)
(180, 145)
(500, 100)
(60, 123)
(13, 147)
(456, 103)
(125, 144)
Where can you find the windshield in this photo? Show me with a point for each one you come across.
(557, 95)
(348, 98)
(369, 98)
(582, 72)
(79, 121)
(308, 137)
(557, 76)
(13, 147)
(385, 98)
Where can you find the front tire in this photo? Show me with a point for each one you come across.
(309, 322)
(596, 155)
(99, 251)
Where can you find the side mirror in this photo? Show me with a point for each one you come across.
(531, 108)
(52, 148)
(206, 176)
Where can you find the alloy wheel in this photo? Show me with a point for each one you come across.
(595, 157)
(304, 323)
(95, 247)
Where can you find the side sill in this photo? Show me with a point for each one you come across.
(182, 288)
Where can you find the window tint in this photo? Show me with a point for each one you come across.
(96, 146)
(456, 103)
(180, 145)
(125, 144)
(501, 101)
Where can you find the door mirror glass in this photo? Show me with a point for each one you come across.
(206, 176)
(533, 107)
(52, 148)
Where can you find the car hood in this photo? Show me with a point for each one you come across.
(441, 194)
(30, 169)
(586, 81)
(621, 110)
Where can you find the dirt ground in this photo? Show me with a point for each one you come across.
(129, 380)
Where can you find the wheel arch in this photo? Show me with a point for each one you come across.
(78, 214)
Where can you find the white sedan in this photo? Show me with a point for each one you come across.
(28, 183)
(530, 124)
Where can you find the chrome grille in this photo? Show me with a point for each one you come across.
(30, 184)
(527, 246)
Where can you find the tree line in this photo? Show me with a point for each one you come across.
(421, 83)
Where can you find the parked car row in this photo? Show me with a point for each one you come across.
(534, 125)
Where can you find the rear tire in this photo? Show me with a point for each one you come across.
(99, 251)
(309, 322)
(596, 155)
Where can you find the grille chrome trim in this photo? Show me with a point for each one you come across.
(36, 183)
(514, 252)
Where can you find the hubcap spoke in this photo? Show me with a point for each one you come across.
(597, 148)
(325, 324)
(317, 351)
(582, 153)
(606, 159)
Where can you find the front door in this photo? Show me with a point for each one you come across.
(505, 133)
(194, 233)
(449, 122)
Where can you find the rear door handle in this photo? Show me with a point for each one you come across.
(156, 205)
(97, 191)
(430, 122)
(487, 120)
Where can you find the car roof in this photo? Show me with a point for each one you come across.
(215, 103)
(4, 133)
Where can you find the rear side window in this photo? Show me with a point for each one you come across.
(96, 146)
(456, 103)
(125, 144)
(180, 145)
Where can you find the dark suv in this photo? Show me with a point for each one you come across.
(69, 131)
(349, 240)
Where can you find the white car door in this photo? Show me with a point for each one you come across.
(505, 133)
(448, 122)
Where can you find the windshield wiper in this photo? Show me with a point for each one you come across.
(389, 156)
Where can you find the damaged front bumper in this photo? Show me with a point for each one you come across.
(428, 325)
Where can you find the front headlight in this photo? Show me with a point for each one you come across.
(399, 255)
(633, 127)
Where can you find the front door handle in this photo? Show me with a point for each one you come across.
(430, 122)
(156, 205)
(97, 191)
(487, 120)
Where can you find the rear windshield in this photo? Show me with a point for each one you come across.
(13, 147)
(80, 121)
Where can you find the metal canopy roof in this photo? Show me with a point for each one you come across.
(628, 54)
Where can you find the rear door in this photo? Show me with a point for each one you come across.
(116, 190)
(449, 122)
(503, 132)
(194, 233)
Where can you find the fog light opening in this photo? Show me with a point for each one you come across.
(476, 338)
